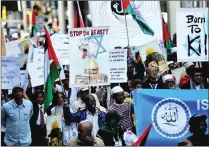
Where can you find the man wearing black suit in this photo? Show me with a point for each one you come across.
(152, 82)
(38, 121)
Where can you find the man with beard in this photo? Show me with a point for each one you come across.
(169, 81)
(198, 128)
(92, 112)
(85, 136)
(196, 80)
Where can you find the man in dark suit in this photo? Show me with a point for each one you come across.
(152, 82)
(196, 80)
(38, 121)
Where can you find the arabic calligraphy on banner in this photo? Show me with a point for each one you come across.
(169, 111)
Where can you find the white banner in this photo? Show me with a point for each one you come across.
(192, 34)
(118, 65)
(10, 72)
(89, 56)
(22, 77)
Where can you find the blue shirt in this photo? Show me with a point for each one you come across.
(16, 119)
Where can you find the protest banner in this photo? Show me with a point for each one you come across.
(89, 56)
(169, 112)
(61, 45)
(36, 72)
(38, 55)
(23, 61)
(10, 72)
(13, 48)
(110, 13)
(54, 129)
(192, 34)
(152, 56)
(22, 77)
(179, 73)
(118, 65)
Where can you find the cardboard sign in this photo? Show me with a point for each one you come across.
(10, 72)
(192, 34)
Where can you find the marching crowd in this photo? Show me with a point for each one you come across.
(93, 119)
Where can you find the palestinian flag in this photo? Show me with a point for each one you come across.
(127, 8)
(143, 138)
(78, 20)
(51, 70)
(166, 37)
(34, 26)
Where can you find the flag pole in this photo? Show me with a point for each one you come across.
(127, 29)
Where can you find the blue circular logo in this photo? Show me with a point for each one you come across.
(170, 118)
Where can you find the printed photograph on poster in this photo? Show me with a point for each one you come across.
(89, 56)
(152, 56)
(192, 34)
(54, 129)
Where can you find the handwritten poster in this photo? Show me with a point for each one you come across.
(192, 34)
(22, 77)
(36, 72)
(38, 55)
(61, 45)
(89, 56)
(118, 65)
(10, 76)
(152, 56)
(13, 48)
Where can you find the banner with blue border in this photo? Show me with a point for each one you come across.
(169, 111)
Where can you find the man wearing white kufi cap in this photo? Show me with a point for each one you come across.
(124, 108)
(169, 81)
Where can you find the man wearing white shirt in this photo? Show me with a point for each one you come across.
(38, 121)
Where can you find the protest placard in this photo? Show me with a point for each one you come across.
(10, 72)
(38, 55)
(61, 46)
(22, 77)
(13, 48)
(118, 65)
(192, 34)
(151, 55)
(89, 56)
(36, 72)
(110, 13)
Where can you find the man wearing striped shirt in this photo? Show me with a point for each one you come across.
(124, 108)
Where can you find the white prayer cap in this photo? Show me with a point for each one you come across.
(188, 64)
(15, 35)
(167, 77)
(116, 89)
